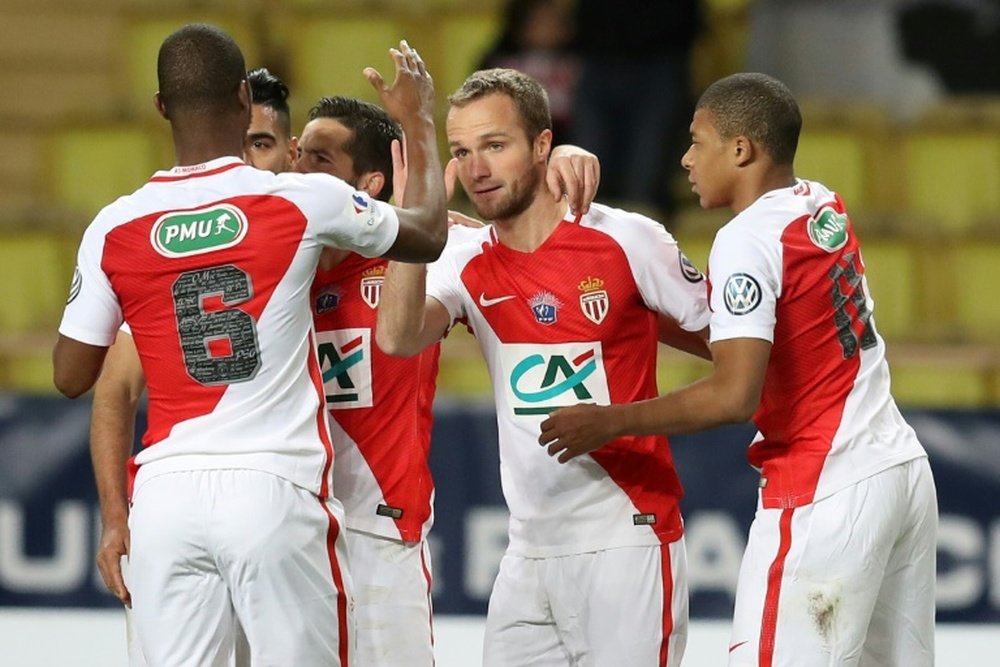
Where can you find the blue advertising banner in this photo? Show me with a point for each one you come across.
(50, 525)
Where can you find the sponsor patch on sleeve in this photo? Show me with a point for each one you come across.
(361, 207)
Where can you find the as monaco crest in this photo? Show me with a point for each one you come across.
(594, 301)
(371, 285)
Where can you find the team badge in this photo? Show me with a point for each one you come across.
(545, 307)
(741, 294)
(328, 300)
(689, 270)
(371, 285)
(75, 286)
(594, 301)
(828, 229)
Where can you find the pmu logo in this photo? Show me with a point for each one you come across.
(345, 361)
(543, 378)
(196, 232)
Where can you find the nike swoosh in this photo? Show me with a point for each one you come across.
(736, 646)
(486, 303)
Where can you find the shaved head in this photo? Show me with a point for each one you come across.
(199, 70)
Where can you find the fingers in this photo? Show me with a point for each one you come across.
(450, 174)
(413, 58)
(109, 564)
(374, 78)
(456, 218)
(591, 179)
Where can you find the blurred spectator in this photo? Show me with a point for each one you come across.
(840, 51)
(535, 40)
(958, 39)
(633, 97)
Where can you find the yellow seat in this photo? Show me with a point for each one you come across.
(144, 33)
(35, 274)
(941, 377)
(462, 38)
(952, 176)
(29, 372)
(891, 272)
(91, 167)
(836, 158)
(328, 55)
(977, 317)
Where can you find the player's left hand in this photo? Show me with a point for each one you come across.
(580, 429)
(575, 174)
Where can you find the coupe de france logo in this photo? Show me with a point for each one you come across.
(741, 293)
(545, 306)
(196, 232)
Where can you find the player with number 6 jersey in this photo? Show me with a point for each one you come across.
(210, 264)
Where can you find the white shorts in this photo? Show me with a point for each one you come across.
(847, 580)
(211, 549)
(622, 606)
(392, 601)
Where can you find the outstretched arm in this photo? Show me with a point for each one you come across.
(729, 395)
(423, 222)
(112, 430)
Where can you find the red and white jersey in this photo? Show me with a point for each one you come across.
(210, 265)
(575, 321)
(380, 406)
(788, 269)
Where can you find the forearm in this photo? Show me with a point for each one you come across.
(704, 404)
(425, 191)
(401, 312)
(112, 431)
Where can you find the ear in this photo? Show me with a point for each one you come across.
(743, 151)
(372, 182)
(293, 151)
(160, 106)
(245, 95)
(543, 146)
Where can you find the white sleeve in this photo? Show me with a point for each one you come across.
(343, 217)
(668, 282)
(93, 313)
(746, 274)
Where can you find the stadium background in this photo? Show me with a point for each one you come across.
(920, 173)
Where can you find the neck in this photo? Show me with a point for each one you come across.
(774, 178)
(529, 230)
(198, 142)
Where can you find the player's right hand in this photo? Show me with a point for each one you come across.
(115, 543)
(411, 94)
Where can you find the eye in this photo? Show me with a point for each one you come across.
(495, 146)
(460, 153)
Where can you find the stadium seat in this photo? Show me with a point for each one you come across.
(144, 33)
(837, 158)
(951, 177)
(91, 167)
(893, 282)
(462, 38)
(35, 274)
(977, 317)
(942, 377)
(328, 55)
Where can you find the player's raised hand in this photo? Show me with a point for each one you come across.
(580, 429)
(574, 173)
(411, 94)
(115, 543)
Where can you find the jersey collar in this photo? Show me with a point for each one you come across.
(209, 168)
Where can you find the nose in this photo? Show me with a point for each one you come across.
(686, 160)
(479, 167)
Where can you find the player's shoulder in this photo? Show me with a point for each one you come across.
(464, 243)
(626, 227)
